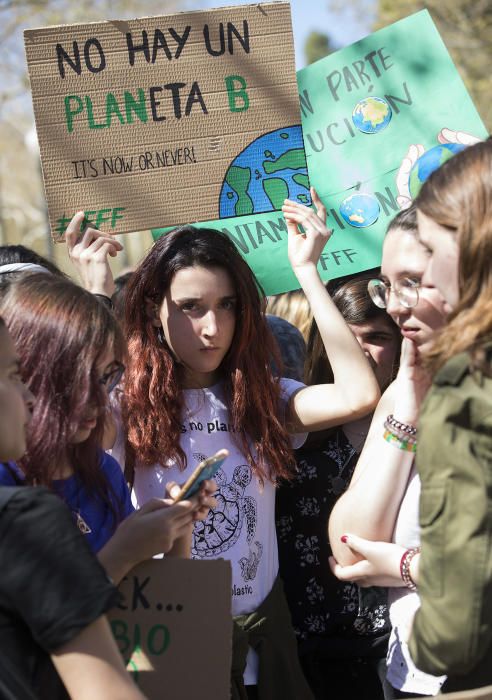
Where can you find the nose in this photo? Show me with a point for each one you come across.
(210, 327)
(394, 307)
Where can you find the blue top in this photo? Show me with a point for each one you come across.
(93, 518)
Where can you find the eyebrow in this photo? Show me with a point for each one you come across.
(180, 300)
(404, 273)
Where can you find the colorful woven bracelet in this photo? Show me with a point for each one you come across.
(402, 443)
(405, 562)
(404, 437)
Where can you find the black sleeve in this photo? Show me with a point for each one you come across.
(49, 576)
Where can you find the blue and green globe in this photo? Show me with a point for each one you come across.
(360, 210)
(372, 115)
(430, 161)
(270, 169)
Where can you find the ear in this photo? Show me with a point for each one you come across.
(152, 312)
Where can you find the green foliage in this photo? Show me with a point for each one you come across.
(317, 46)
(466, 28)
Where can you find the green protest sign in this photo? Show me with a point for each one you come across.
(362, 109)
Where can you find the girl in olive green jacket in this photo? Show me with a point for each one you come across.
(452, 632)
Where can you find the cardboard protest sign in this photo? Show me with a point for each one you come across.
(174, 628)
(362, 108)
(165, 120)
(484, 693)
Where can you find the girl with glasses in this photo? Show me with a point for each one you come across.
(70, 350)
(342, 632)
(373, 528)
(199, 378)
(54, 636)
(61, 642)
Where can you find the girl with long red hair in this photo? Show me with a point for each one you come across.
(199, 378)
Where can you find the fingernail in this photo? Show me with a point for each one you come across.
(344, 538)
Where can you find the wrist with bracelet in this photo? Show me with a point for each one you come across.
(401, 435)
(405, 562)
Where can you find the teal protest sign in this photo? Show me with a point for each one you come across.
(369, 113)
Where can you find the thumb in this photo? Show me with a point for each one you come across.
(153, 504)
(73, 229)
(411, 352)
(172, 489)
(407, 357)
(344, 573)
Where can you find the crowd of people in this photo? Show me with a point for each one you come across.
(355, 505)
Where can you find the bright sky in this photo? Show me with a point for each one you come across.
(343, 26)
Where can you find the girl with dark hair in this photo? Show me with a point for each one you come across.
(18, 258)
(199, 379)
(342, 632)
(71, 349)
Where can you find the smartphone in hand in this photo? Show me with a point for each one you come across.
(205, 470)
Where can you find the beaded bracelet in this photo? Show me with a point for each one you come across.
(407, 443)
(405, 562)
(398, 426)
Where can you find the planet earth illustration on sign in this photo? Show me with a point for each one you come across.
(431, 160)
(270, 169)
(360, 210)
(372, 115)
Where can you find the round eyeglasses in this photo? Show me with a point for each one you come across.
(111, 378)
(406, 289)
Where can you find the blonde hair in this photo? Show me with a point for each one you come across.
(293, 307)
(458, 196)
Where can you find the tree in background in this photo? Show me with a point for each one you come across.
(466, 29)
(317, 46)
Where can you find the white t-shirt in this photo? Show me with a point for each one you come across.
(241, 528)
(404, 603)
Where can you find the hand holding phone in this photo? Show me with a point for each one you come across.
(205, 470)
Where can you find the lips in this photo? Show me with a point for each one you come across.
(88, 424)
(410, 332)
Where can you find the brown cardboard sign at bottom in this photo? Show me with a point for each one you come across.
(174, 628)
(484, 693)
